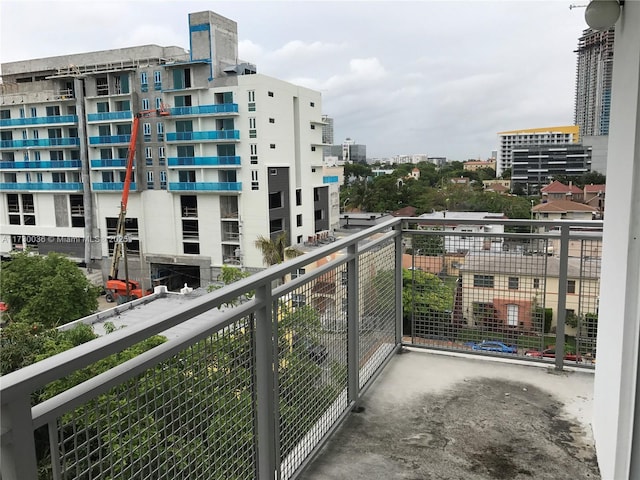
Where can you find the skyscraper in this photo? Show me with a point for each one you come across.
(593, 82)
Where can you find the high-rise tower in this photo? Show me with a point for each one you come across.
(593, 82)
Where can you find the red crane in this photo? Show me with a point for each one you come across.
(116, 288)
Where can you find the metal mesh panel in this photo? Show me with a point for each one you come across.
(485, 293)
(585, 321)
(191, 417)
(477, 292)
(377, 308)
(312, 365)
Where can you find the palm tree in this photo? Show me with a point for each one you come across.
(276, 250)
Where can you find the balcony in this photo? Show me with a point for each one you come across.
(106, 116)
(204, 136)
(204, 161)
(246, 391)
(40, 142)
(48, 165)
(206, 186)
(56, 119)
(111, 186)
(109, 139)
(330, 179)
(205, 109)
(109, 162)
(26, 186)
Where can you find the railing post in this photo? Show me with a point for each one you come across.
(353, 321)
(18, 449)
(266, 397)
(398, 282)
(562, 294)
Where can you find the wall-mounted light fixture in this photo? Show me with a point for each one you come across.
(603, 14)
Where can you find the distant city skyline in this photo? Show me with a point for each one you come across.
(438, 78)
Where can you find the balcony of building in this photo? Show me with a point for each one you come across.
(107, 116)
(109, 163)
(199, 110)
(42, 186)
(111, 186)
(252, 381)
(204, 161)
(41, 165)
(40, 142)
(205, 186)
(48, 120)
(203, 136)
(110, 139)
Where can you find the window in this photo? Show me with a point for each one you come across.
(182, 100)
(275, 225)
(36, 156)
(299, 272)
(160, 130)
(512, 315)
(254, 180)
(253, 148)
(21, 112)
(270, 94)
(59, 177)
(312, 104)
(185, 151)
(313, 148)
(298, 197)
(299, 220)
(184, 126)
(36, 134)
(163, 180)
(150, 180)
(536, 283)
(146, 129)
(251, 107)
(157, 79)
(513, 283)
(53, 111)
(483, 281)
(275, 200)
(319, 214)
(34, 112)
(252, 122)
(145, 104)
(182, 78)
(148, 155)
(107, 177)
(187, 176)
(571, 286)
(5, 114)
(272, 145)
(143, 78)
(272, 120)
(252, 95)
(161, 152)
(158, 102)
(57, 155)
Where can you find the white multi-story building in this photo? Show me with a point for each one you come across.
(238, 155)
(532, 137)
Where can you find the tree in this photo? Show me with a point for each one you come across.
(227, 276)
(49, 290)
(276, 250)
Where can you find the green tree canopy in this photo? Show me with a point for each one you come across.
(49, 290)
(276, 250)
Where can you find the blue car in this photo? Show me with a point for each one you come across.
(491, 346)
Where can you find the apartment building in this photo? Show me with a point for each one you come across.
(531, 137)
(224, 154)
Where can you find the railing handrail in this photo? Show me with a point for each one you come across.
(35, 376)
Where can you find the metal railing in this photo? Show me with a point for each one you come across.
(252, 393)
(255, 390)
(503, 287)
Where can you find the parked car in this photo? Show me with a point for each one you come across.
(551, 354)
(494, 346)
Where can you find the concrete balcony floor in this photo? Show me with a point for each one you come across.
(438, 416)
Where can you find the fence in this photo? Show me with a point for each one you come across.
(503, 287)
(252, 393)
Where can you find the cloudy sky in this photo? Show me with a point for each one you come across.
(434, 77)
